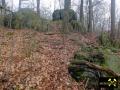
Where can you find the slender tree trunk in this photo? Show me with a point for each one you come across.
(87, 15)
(90, 16)
(19, 4)
(118, 33)
(38, 7)
(3, 12)
(93, 26)
(112, 35)
(81, 12)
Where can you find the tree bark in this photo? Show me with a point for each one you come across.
(38, 7)
(19, 4)
(3, 3)
(118, 33)
(67, 4)
(81, 12)
(90, 16)
(3, 11)
(112, 35)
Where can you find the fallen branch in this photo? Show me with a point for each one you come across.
(51, 33)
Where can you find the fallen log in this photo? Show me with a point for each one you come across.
(78, 64)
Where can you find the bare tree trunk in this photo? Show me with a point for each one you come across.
(112, 35)
(3, 11)
(118, 33)
(90, 16)
(38, 7)
(67, 4)
(93, 26)
(19, 4)
(81, 12)
(87, 15)
(3, 3)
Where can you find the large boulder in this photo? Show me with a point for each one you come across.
(59, 15)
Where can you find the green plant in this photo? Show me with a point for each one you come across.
(77, 26)
(104, 39)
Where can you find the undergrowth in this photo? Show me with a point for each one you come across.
(104, 40)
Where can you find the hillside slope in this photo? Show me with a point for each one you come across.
(31, 60)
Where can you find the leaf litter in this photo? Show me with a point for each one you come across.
(31, 60)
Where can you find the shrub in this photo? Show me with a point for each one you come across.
(26, 18)
(77, 26)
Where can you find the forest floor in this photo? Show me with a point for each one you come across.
(31, 60)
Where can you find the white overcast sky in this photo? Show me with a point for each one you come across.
(50, 3)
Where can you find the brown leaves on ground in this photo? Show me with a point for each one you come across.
(31, 60)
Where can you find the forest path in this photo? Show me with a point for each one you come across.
(31, 59)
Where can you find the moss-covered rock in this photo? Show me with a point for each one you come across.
(59, 15)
